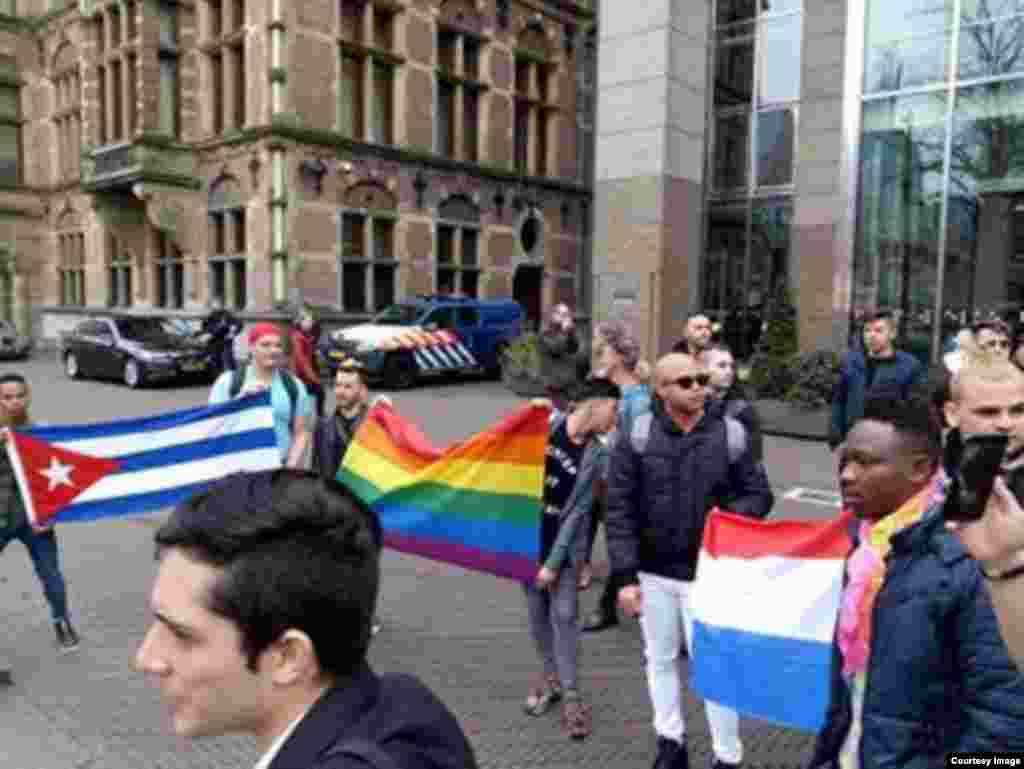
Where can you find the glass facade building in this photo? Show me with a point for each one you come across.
(929, 197)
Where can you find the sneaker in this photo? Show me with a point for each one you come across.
(67, 638)
(543, 696)
(671, 755)
(576, 719)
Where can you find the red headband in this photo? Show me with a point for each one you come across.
(260, 330)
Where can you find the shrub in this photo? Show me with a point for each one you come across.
(522, 356)
(813, 377)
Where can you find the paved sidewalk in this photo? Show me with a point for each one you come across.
(464, 634)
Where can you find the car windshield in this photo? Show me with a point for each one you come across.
(143, 329)
(398, 315)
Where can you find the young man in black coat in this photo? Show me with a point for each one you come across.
(262, 607)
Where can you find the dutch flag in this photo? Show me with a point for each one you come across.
(133, 466)
(764, 608)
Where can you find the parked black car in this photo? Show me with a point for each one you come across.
(135, 350)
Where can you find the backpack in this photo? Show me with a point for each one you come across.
(238, 379)
(735, 436)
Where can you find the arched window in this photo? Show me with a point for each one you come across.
(226, 243)
(67, 119)
(457, 255)
(536, 100)
(459, 80)
(119, 273)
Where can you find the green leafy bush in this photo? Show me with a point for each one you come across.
(522, 356)
(814, 376)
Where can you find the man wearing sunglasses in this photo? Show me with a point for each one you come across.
(677, 464)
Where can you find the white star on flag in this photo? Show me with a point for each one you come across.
(59, 475)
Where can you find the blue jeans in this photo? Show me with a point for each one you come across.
(42, 547)
(556, 634)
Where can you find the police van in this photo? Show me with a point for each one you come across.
(427, 336)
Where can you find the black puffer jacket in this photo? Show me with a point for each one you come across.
(658, 502)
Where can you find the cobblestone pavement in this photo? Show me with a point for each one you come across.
(463, 634)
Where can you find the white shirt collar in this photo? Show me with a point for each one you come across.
(268, 758)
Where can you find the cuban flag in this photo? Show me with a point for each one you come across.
(133, 466)
(765, 605)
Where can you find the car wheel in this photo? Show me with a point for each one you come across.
(71, 367)
(400, 371)
(133, 374)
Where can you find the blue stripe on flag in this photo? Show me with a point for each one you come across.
(782, 680)
(130, 504)
(231, 443)
(495, 536)
(119, 427)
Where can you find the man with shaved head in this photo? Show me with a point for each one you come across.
(678, 463)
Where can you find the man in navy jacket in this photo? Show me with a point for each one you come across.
(262, 608)
(919, 669)
(881, 367)
(659, 495)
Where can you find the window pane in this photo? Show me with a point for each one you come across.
(169, 95)
(470, 282)
(383, 287)
(985, 220)
(350, 102)
(9, 101)
(217, 76)
(523, 77)
(353, 287)
(991, 32)
(445, 280)
(112, 287)
(471, 58)
(907, 43)
(213, 15)
(168, 25)
(178, 282)
(768, 269)
(723, 272)
(238, 53)
(218, 243)
(521, 135)
(780, 60)
(241, 298)
(445, 118)
(131, 99)
(353, 237)
(469, 241)
(218, 282)
(470, 115)
(446, 50)
(382, 103)
(775, 134)
(10, 157)
(383, 239)
(734, 74)
(160, 273)
(896, 247)
(731, 142)
(238, 221)
(445, 247)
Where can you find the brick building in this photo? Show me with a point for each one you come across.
(155, 155)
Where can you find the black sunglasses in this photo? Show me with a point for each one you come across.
(686, 382)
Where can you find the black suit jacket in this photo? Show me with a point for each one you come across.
(393, 714)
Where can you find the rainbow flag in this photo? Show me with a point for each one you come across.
(476, 504)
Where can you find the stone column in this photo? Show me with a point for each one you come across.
(649, 202)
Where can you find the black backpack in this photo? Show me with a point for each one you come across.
(238, 379)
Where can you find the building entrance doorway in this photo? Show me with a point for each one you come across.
(527, 288)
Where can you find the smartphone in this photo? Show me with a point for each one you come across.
(981, 459)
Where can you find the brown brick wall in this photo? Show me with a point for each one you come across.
(311, 75)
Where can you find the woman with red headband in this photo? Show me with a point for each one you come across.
(268, 369)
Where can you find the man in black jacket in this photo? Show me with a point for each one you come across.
(220, 328)
(262, 605)
(660, 490)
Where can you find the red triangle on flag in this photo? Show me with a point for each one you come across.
(53, 476)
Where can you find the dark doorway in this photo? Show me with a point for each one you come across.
(526, 289)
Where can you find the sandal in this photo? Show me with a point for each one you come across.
(576, 719)
(543, 697)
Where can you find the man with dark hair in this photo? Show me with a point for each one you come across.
(262, 603)
(880, 367)
(919, 669)
(696, 337)
(41, 542)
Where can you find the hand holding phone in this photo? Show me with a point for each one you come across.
(974, 472)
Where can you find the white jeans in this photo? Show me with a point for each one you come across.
(666, 618)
